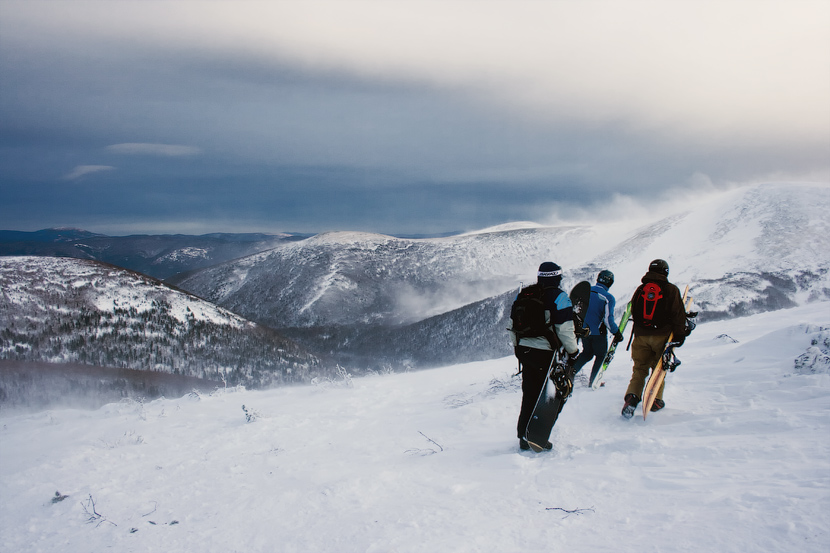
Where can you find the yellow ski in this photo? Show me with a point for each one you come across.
(658, 375)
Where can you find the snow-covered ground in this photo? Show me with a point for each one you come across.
(428, 461)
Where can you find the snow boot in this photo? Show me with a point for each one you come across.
(657, 405)
(631, 402)
(523, 445)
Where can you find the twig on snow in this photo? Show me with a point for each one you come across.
(155, 506)
(424, 452)
(93, 515)
(571, 511)
(431, 440)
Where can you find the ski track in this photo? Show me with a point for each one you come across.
(739, 460)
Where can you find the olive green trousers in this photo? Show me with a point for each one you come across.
(645, 352)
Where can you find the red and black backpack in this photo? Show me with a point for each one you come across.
(650, 306)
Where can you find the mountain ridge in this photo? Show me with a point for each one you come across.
(746, 250)
(378, 302)
(160, 256)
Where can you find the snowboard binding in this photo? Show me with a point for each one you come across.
(562, 380)
(670, 360)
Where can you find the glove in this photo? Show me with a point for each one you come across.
(569, 360)
(618, 337)
(675, 343)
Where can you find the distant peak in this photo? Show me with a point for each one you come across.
(506, 227)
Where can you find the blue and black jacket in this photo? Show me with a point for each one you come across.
(601, 310)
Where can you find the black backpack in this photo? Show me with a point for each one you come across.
(649, 306)
(528, 316)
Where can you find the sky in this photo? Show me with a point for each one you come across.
(398, 117)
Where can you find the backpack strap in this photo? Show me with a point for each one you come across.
(550, 331)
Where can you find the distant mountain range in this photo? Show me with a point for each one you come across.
(159, 256)
(376, 302)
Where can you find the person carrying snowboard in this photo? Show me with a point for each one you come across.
(657, 312)
(599, 319)
(535, 347)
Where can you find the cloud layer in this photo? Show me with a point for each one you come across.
(168, 150)
(83, 170)
(454, 115)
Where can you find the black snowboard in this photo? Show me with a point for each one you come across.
(548, 406)
(580, 296)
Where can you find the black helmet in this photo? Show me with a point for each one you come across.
(659, 266)
(550, 274)
(606, 278)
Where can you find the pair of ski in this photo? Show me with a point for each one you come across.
(612, 349)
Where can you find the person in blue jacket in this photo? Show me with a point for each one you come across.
(599, 319)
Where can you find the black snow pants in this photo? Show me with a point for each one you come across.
(535, 365)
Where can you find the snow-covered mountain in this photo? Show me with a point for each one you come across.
(434, 301)
(748, 250)
(738, 461)
(347, 278)
(373, 302)
(61, 310)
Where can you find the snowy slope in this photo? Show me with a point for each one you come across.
(35, 284)
(747, 250)
(63, 310)
(738, 461)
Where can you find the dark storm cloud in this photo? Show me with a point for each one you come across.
(132, 117)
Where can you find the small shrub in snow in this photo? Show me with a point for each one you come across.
(817, 357)
(250, 414)
(343, 379)
(129, 438)
(93, 516)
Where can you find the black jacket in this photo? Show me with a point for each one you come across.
(670, 315)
